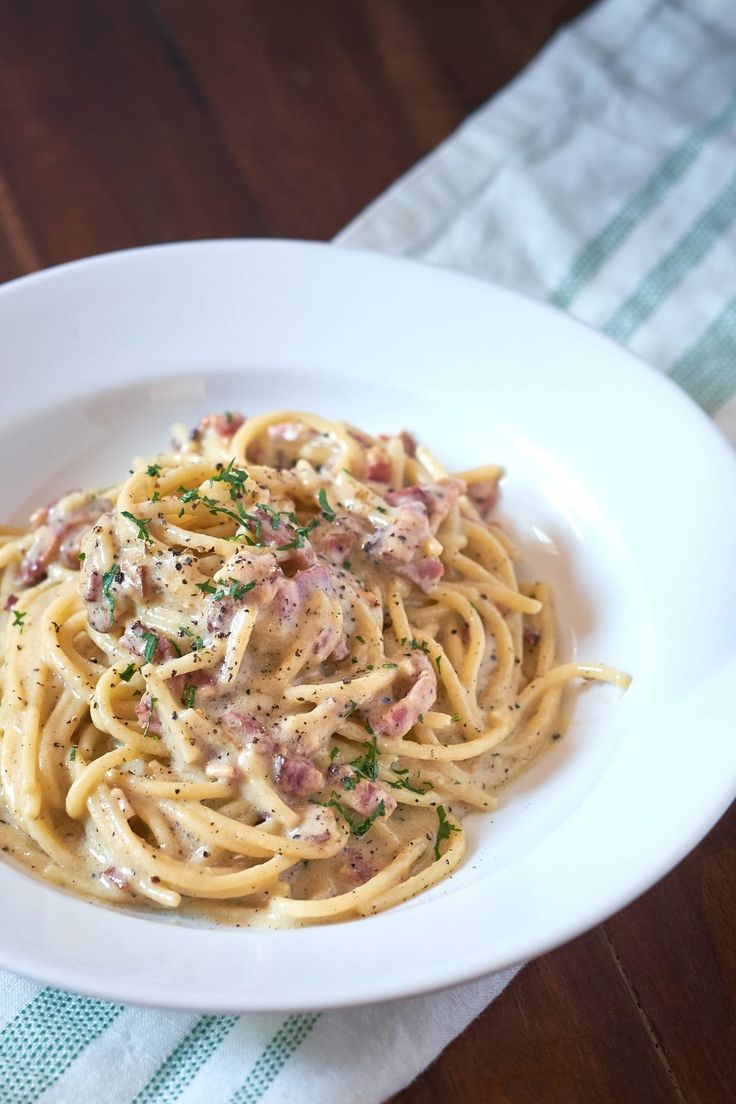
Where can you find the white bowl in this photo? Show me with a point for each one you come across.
(619, 492)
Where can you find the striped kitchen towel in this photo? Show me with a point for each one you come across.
(604, 181)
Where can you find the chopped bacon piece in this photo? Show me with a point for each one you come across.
(243, 726)
(59, 531)
(133, 640)
(531, 636)
(483, 493)
(10, 601)
(297, 776)
(224, 425)
(290, 431)
(113, 876)
(367, 796)
(409, 442)
(147, 716)
(293, 593)
(399, 545)
(358, 867)
(378, 465)
(435, 499)
(401, 716)
(335, 542)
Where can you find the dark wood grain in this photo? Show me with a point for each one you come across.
(124, 122)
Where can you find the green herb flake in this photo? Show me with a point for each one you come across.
(390, 666)
(155, 497)
(151, 643)
(150, 718)
(352, 706)
(237, 590)
(347, 565)
(154, 470)
(127, 674)
(206, 587)
(72, 754)
(419, 646)
(82, 557)
(357, 827)
(327, 512)
(114, 575)
(190, 692)
(141, 525)
(18, 618)
(455, 718)
(444, 829)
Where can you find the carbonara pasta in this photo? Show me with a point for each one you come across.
(262, 679)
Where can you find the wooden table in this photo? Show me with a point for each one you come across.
(124, 122)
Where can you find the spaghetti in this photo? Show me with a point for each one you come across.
(262, 679)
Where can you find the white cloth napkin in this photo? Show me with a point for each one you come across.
(603, 180)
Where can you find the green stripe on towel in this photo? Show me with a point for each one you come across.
(594, 255)
(694, 245)
(707, 370)
(39, 1044)
(285, 1042)
(186, 1059)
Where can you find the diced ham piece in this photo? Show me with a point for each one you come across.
(58, 536)
(358, 867)
(531, 636)
(224, 425)
(336, 542)
(132, 639)
(147, 716)
(296, 776)
(290, 431)
(263, 569)
(377, 465)
(435, 499)
(401, 716)
(398, 545)
(113, 876)
(293, 593)
(483, 493)
(10, 601)
(367, 796)
(409, 442)
(204, 683)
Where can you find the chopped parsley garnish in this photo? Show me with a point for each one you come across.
(198, 644)
(185, 631)
(72, 754)
(141, 525)
(352, 706)
(360, 639)
(419, 646)
(150, 718)
(444, 829)
(114, 575)
(300, 534)
(366, 765)
(206, 587)
(346, 564)
(127, 674)
(382, 509)
(334, 754)
(82, 557)
(455, 718)
(403, 783)
(327, 512)
(155, 497)
(390, 666)
(150, 647)
(438, 660)
(357, 827)
(237, 590)
(18, 617)
(154, 470)
(234, 477)
(189, 694)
